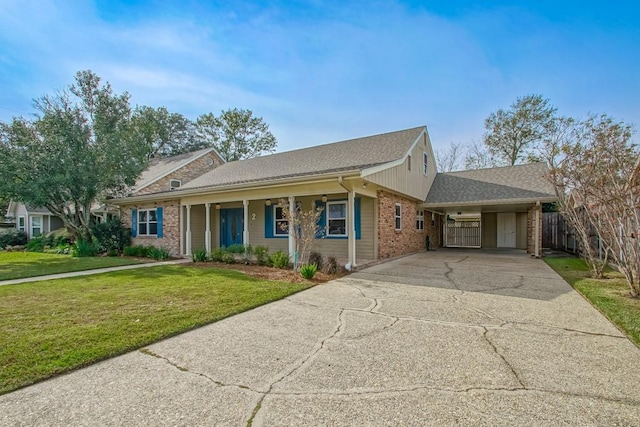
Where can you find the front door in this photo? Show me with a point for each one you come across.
(231, 226)
(507, 230)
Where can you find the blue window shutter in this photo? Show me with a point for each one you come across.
(357, 217)
(268, 221)
(322, 221)
(134, 222)
(159, 218)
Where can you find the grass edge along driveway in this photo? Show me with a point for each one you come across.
(611, 295)
(19, 265)
(56, 326)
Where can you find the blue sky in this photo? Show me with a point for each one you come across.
(325, 71)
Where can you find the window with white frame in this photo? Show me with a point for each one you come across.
(425, 162)
(280, 222)
(36, 226)
(174, 184)
(398, 216)
(147, 222)
(420, 220)
(337, 218)
(21, 226)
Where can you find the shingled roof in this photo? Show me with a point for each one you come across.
(162, 166)
(351, 155)
(507, 184)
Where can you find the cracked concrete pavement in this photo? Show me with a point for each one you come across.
(450, 337)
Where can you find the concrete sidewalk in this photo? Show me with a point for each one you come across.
(439, 338)
(90, 272)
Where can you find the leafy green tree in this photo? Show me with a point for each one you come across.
(512, 134)
(236, 134)
(77, 150)
(164, 133)
(4, 204)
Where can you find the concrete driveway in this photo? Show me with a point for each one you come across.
(439, 338)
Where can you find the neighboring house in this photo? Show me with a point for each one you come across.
(493, 208)
(373, 192)
(33, 221)
(166, 174)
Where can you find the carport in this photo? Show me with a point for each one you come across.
(492, 208)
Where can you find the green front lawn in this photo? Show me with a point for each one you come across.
(55, 326)
(17, 265)
(610, 295)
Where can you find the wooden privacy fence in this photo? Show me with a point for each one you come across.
(557, 233)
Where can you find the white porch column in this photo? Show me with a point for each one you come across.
(351, 238)
(207, 227)
(292, 239)
(188, 248)
(245, 228)
(181, 230)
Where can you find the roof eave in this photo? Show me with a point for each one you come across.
(176, 194)
(394, 163)
(542, 199)
(181, 165)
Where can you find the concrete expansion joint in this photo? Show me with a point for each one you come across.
(148, 352)
(339, 328)
(504, 359)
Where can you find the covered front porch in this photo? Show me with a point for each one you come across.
(254, 217)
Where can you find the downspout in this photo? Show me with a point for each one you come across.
(351, 239)
(537, 243)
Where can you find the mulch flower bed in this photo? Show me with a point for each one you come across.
(267, 273)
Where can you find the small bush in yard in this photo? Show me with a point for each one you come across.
(280, 259)
(200, 255)
(228, 258)
(160, 254)
(111, 235)
(85, 248)
(139, 251)
(308, 271)
(316, 258)
(262, 255)
(59, 237)
(236, 248)
(12, 237)
(331, 267)
(217, 254)
(36, 244)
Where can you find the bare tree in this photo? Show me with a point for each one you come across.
(598, 184)
(450, 160)
(303, 226)
(477, 157)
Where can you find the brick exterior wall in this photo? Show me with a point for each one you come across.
(170, 225)
(184, 174)
(409, 239)
(531, 224)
